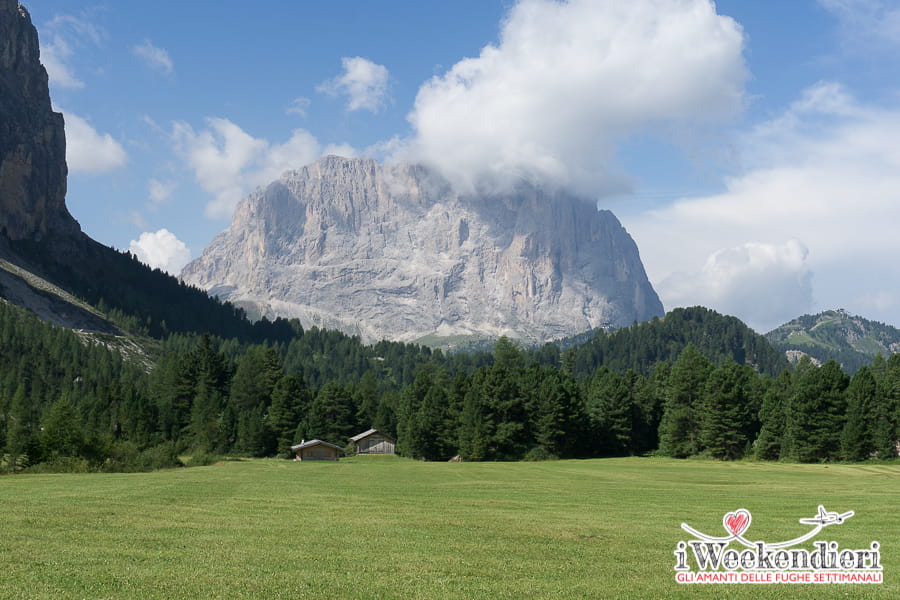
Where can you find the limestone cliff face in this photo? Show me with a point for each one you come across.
(32, 138)
(391, 251)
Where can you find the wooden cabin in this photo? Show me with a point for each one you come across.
(316, 450)
(373, 442)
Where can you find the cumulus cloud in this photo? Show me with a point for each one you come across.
(363, 82)
(228, 162)
(825, 171)
(161, 250)
(568, 81)
(765, 284)
(88, 151)
(155, 58)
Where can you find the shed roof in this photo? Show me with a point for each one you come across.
(366, 434)
(312, 443)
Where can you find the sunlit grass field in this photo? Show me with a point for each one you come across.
(385, 527)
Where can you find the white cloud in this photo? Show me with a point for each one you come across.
(364, 82)
(54, 57)
(826, 172)
(155, 58)
(59, 36)
(228, 162)
(158, 191)
(866, 21)
(88, 151)
(765, 284)
(569, 81)
(298, 106)
(161, 250)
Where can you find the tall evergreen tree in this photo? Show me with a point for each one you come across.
(61, 433)
(331, 416)
(556, 412)
(857, 441)
(725, 411)
(22, 444)
(817, 414)
(773, 417)
(613, 411)
(290, 401)
(886, 410)
(678, 427)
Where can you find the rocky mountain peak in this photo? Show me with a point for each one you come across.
(392, 251)
(32, 137)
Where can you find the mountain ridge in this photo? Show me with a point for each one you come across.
(836, 334)
(392, 251)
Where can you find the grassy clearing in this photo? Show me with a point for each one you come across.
(373, 527)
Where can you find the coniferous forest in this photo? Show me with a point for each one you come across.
(692, 384)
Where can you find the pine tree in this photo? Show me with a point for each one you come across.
(678, 427)
(21, 439)
(61, 434)
(331, 415)
(612, 411)
(725, 411)
(366, 396)
(817, 414)
(773, 417)
(290, 401)
(857, 441)
(886, 410)
(556, 412)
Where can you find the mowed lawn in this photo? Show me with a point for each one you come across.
(389, 528)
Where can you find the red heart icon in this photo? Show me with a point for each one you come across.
(737, 522)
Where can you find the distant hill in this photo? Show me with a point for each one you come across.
(643, 345)
(836, 335)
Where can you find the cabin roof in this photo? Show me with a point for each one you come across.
(312, 443)
(366, 434)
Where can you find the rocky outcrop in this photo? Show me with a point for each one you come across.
(391, 251)
(32, 137)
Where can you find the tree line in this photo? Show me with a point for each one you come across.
(69, 401)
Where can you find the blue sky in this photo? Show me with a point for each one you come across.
(749, 147)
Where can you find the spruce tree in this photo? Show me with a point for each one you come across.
(290, 401)
(857, 441)
(817, 414)
(61, 433)
(612, 410)
(773, 417)
(725, 411)
(678, 428)
(886, 410)
(331, 416)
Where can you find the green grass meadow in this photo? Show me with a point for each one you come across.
(389, 528)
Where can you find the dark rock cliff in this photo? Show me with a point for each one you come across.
(32, 137)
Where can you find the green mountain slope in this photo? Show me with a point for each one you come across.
(643, 345)
(836, 335)
(115, 286)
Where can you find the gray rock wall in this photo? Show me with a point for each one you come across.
(391, 251)
(32, 136)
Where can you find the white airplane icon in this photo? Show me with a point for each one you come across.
(827, 517)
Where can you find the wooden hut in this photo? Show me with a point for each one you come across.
(316, 450)
(373, 442)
